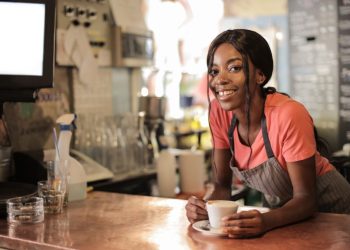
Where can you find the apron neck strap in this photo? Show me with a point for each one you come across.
(267, 143)
(230, 134)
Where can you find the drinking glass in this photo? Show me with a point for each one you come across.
(25, 210)
(52, 194)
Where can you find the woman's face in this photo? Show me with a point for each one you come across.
(227, 78)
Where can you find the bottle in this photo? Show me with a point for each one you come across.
(75, 173)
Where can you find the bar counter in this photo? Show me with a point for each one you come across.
(119, 221)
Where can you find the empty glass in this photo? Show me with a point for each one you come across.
(118, 153)
(25, 210)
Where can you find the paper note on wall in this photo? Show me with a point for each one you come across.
(77, 46)
(128, 13)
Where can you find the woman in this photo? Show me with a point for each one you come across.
(265, 139)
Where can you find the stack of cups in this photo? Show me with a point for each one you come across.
(192, 171)
(166, 174)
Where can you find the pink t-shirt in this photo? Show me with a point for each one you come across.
(289, 127)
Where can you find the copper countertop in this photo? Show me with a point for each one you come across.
(119, 221)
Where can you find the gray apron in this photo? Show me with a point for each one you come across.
(333, 191)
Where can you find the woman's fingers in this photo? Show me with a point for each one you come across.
(244, 224)
(195, 209)
(239, 233)
(196, 205)
(242, 231)
(193, 217)
(196, 201)
(243, 215)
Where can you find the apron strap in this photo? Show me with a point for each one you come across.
(230, 134)
(267, 143)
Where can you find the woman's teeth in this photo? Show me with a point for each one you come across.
(226, 92)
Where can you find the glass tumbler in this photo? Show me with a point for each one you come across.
(25, 210)
(57, 172)
(52, 194)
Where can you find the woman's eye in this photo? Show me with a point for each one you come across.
(213, 72)
(235, 68)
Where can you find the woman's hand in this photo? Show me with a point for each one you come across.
(195, 209)
(245, 224)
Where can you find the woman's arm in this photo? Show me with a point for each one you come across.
(222, 174)
(304, 201)
(301, 206)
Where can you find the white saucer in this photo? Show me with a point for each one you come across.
(204, 227)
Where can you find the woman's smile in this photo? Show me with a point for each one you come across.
(225, 94)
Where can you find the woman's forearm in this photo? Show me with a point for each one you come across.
(297, 209)
(220, 193)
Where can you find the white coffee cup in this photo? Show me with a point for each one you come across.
(217, 209)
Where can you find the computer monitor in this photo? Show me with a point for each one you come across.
(27, 29)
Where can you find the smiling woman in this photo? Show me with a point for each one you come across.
(231, 72)
(265, 139)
